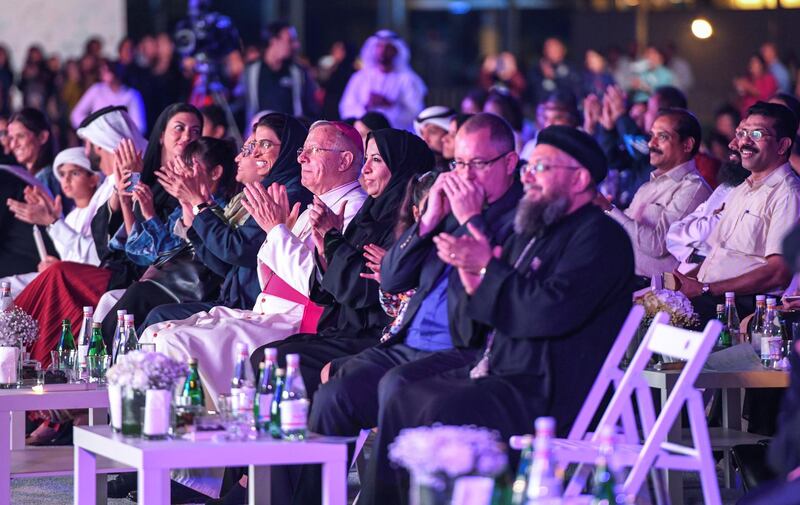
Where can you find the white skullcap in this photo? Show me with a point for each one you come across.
(436, 115)
(74, 156)
(107, 127)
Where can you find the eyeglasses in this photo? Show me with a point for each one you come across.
(314, 150)
(265, 144)
(755, 135)
(476, 164)
(539, 166)
(248, 149)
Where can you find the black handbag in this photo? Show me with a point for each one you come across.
(181, 274)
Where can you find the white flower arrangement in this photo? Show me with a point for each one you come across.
(146, 370)
(680, 309)
(16, 325)
(434, 454)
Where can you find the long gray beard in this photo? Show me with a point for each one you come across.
(533, 216)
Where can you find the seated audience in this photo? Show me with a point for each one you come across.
(372, 120)
(675, 190)
(227, 240)
(435, 335)
(215, 124)
(71, 235)
(745, 255)
(62, 290)
(166, 243)
(449, 140)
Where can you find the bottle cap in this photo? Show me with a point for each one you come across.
(121, 313)
(761, 298)
(66, 321)
(720, 307)
(292, 360)
(88, 310)
(729, 294)
(192, 361)
(241, 348)
(129, 318)
(97, 325)
(271, 354)
(5, 285)
(280, 372)
(545, 426)
(262, 366)
(771, 301)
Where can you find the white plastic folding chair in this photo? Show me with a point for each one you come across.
(609, 376)
(655, 451)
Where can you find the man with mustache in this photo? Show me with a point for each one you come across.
(746, 255)
(554, 295)
(675, 189)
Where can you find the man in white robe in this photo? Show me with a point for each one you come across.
(385, 84)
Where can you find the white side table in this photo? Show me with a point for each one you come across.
(17, 461)
(153, 459)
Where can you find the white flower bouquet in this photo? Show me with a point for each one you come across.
(680, 309)
(146, 370)
(17, 326)
(438, 453)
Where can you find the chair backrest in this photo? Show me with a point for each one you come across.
(609, 375)
(693, 347)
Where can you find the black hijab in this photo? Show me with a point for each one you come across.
(406, 156)
(286, 169)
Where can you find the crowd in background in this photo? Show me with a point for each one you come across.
(359, 245)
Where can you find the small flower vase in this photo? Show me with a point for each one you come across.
(430, 491)
(9, 366)
(115, 406)
(157, 413)
(133, 403)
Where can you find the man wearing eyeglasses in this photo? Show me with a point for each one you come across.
(436, 334)
(675, 189)
(552, 297)
(746, 255)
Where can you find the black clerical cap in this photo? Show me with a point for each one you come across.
(578, 144)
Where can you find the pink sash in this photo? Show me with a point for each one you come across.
(277, 287)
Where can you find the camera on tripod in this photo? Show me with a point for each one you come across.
(204, 35)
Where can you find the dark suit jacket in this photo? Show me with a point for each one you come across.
(18, 254)
(412, 263)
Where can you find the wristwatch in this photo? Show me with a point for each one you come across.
(197, 209)
(706, 288)
(610, 209)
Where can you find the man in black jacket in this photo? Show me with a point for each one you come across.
(554, 296)
(436, 334)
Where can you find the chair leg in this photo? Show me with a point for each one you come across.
(702, 444)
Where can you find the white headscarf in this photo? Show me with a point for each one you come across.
(369, 58)
(74, 156)
(107, 129)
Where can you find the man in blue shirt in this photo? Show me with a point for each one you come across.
(436, 335)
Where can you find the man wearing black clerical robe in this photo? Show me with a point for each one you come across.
(554, 299)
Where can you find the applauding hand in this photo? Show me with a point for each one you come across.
(324, 219)
(373, 254)
(187, 184)
(269, 207)
(38, 207)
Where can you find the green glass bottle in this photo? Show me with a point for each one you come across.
(275, 408)
(67, 341)
(265, 390)
(605, 489)
(96, 346)
(192, 388)
(724, 339)
(520, 486)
